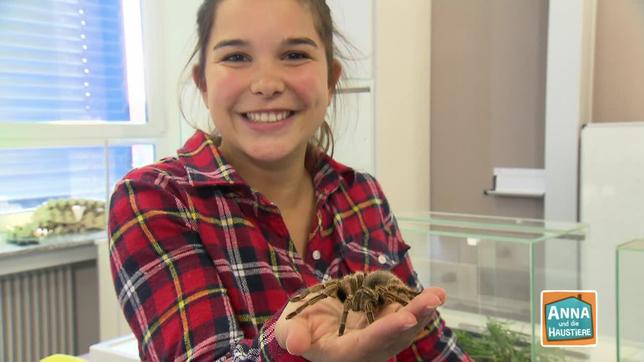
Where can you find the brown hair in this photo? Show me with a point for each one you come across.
(323, 140)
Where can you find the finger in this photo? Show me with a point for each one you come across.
(298, 336)
(384, 328)
(424, 305)
(382, 337)
(439, 292)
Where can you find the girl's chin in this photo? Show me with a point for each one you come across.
(272, 152)
(275, 155)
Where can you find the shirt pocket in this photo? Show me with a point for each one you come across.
(377, 253)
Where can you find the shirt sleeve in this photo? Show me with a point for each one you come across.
(167, 285)
(436, 342)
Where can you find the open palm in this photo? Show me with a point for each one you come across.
(313, 333)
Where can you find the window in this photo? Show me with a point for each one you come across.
(72, 99)
(65, 61)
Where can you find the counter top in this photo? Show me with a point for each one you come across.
(51, 251)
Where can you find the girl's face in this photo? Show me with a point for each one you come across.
(266, 82)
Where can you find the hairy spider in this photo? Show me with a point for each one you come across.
(359, 292)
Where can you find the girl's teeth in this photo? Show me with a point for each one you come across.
(267, 117)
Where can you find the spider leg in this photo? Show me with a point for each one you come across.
(398, 284)
(392, 296)
(306, 292)
(369, 312)
(411, 294)
(326, 292)
(402, 290)
(345, 314)
(397, 298)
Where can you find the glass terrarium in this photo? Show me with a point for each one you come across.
(630, 299)
(493, 270)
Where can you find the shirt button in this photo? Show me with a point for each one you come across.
(316, 255)
(382, 259)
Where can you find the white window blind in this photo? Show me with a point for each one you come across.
(62, 60)
(31, 176)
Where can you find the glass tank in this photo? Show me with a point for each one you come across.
(493, 270)
(630, 299)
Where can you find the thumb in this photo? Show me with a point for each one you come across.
(386, 328)
(298, 337)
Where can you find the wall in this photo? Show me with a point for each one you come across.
(487, 101)
(619, 62)
(86, 306)
(402, 67)
(169, 28)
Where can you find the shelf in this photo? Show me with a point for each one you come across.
(517, 193)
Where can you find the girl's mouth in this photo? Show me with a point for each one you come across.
(267, 116)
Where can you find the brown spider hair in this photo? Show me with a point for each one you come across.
(323, 139)
(359, 292)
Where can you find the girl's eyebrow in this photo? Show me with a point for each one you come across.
(300, 41)
(231, 43)
(245, 44)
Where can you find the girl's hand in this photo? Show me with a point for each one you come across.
(313, 334)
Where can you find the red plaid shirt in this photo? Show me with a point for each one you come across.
(203, 264)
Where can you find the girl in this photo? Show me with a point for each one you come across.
(207, 247)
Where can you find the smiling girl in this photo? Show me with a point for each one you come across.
(207, 247)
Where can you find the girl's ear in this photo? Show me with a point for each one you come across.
(200, 83)
(336, 72)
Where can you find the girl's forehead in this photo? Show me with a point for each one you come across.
(263, 18)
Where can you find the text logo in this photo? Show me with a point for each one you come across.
(568, 318)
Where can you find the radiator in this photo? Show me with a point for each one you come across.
(36, 314)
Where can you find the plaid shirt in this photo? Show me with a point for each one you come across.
(203, 264)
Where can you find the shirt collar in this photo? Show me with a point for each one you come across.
(205, 165)
(330, 175)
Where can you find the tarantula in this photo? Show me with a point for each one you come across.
(359, 292)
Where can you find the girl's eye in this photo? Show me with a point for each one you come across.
(295, 56)
(236, 58)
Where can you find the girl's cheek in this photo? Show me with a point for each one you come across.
(226, 86)
(309, 86)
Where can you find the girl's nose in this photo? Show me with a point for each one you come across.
(267, 86)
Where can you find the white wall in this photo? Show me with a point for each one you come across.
(568, 105)
(611, 199)
(169, 29)
(402, 75)
(353, 120)
(568, 101)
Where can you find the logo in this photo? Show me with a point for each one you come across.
(568, 318)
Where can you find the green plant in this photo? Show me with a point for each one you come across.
(498, 343)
